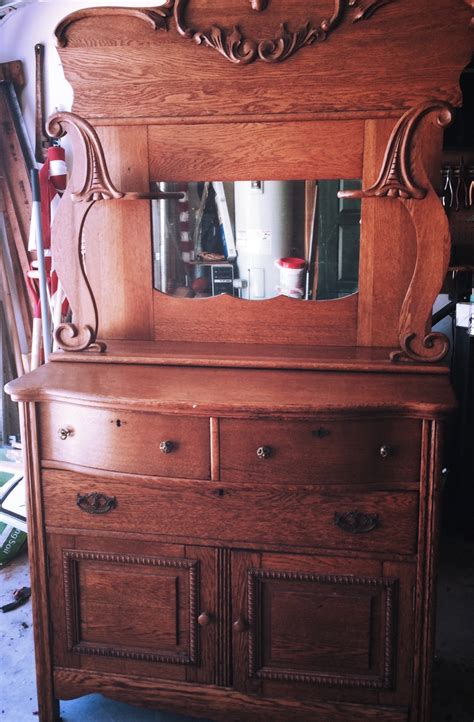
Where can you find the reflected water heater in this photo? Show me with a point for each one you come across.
(264, 233)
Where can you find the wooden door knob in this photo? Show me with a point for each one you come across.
(240, 625)
(204, 619)
(166, 447)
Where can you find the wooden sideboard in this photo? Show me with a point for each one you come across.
(234, 504)
(237, 550)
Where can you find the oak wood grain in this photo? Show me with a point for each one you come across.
(203, 82)
(198, 391)
(332, 452)
(126, 441)
(251, 355)
(223, 704)
(303, 322)
(233, 513)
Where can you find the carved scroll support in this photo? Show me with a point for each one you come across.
(89, 183)
(155, 17)
(242, 50)
(404, 176)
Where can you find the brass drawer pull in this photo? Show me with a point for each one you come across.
(356, 522)
(96, 503)
(204, 619)
(386, 451)
(264, 452)
(240, 625)
(64, 433)
(166, 447)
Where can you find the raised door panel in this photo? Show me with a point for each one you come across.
(128, 608)
(311, 631)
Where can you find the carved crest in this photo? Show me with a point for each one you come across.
(241, 50)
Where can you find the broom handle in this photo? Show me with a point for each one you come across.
(46, 324)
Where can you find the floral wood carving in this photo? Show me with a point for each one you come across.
(97, 185)
(156, 17)
(241, 50)
(396, 177)
(403, 176)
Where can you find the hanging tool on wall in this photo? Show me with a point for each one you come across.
(41, 139)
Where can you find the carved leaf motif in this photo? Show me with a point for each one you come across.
(437, 345)
(396, 178)
(238, 49)
(97, 184)
(232, 46)
(287, 43)
(366, 8)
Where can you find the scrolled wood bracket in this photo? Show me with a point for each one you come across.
(156, 17)
(242, 50)
(90, 182)
(404, 176)
(96, 185)
(396, 178)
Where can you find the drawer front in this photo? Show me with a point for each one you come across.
(383, 450)
(126, 441)
(378, 521)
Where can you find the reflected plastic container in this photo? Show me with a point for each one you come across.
(292, 275)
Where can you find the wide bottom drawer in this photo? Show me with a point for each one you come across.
(382, 521)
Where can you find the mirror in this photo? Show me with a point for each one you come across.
(257, 239)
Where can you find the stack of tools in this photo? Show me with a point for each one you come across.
(458, 199)
(19, 237)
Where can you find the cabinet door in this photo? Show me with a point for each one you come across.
(316, 627)
(132, 607)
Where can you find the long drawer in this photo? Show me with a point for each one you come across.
(357, 450)
(126, 441)
(379, 521)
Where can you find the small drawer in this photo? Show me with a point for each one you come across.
(359, 450)
(126, 441)
(316, 517)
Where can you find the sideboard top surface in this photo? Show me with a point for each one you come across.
(208, 391)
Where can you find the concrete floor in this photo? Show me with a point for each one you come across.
(453, 676)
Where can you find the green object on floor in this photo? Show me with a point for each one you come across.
(12, 540)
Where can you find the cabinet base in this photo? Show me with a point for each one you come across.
(215, 702)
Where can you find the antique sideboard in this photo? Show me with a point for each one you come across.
(233, 503)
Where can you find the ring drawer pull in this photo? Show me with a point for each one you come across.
(96, 503)
(385, 451)
(166, 447)
(64, 433)
(356, 522)
(264, 452)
